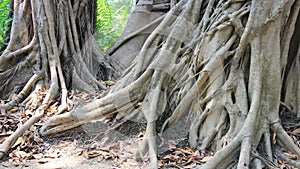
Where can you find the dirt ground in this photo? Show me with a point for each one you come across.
(81, 148)
(94, 145)
(91, 146)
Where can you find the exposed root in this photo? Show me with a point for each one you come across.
(151, 107)
(211, 61)
(108, 105)
(295, 163)
(34, 99)
(214, 84)
(285, 140)
(10, 141)
(36, 46)
(23, 94)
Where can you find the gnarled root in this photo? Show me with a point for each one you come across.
(152, 104)
(122, 100)
(224, 75)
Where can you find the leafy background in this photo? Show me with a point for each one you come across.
(112, 17)
(5, 22)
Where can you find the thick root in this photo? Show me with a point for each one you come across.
(23, 94)
(10, 141)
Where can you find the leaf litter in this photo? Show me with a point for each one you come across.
(30, 146)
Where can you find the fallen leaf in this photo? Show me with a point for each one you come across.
(18, 142)
(13, 110)
(193, 165)
(5, 134)
(44, 160)
(37, 156)
(109, 82)
(94, 154)
(185, 151)
(296, 132)
(102, 149)
(85, 154)
(114, 145)
(22, 154)
(53, 155)
(205, 159)
(291, 155)
(274, 137)
(174, 165)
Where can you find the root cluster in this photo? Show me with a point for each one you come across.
(211, 62)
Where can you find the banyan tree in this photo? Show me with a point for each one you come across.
(228, 67)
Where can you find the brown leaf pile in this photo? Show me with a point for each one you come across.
(183, 158)
(27, 147)
(8, 124)
(31, 146)
(105, 153)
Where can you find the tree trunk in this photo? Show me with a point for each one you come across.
(227, 66)
(51, 47)
(56, 38)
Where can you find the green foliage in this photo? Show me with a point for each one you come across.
(5, 21)
(112, 16)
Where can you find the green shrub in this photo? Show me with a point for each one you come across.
(5, 21)
(112, 17)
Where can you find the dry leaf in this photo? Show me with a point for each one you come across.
(53, 155)
(274, 137)
(18, 142)
(13, 110)
(205, 159)
(37, 156)
(95, 154)
(296, 132)
(193, 165)
(185, 151)
(174, 165)
(114, 145)
(85, 154)
(22, 154)
(102, 149)
(44, 160)
(291, 155)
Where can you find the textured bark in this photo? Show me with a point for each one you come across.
(51, 47)
(55, 36)
(227, 66)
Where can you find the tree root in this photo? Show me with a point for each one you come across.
(24, 93)
(41, 50)
(226, 62)
(10, 141)
(125, 98)
(224, 76)
(150, 108)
